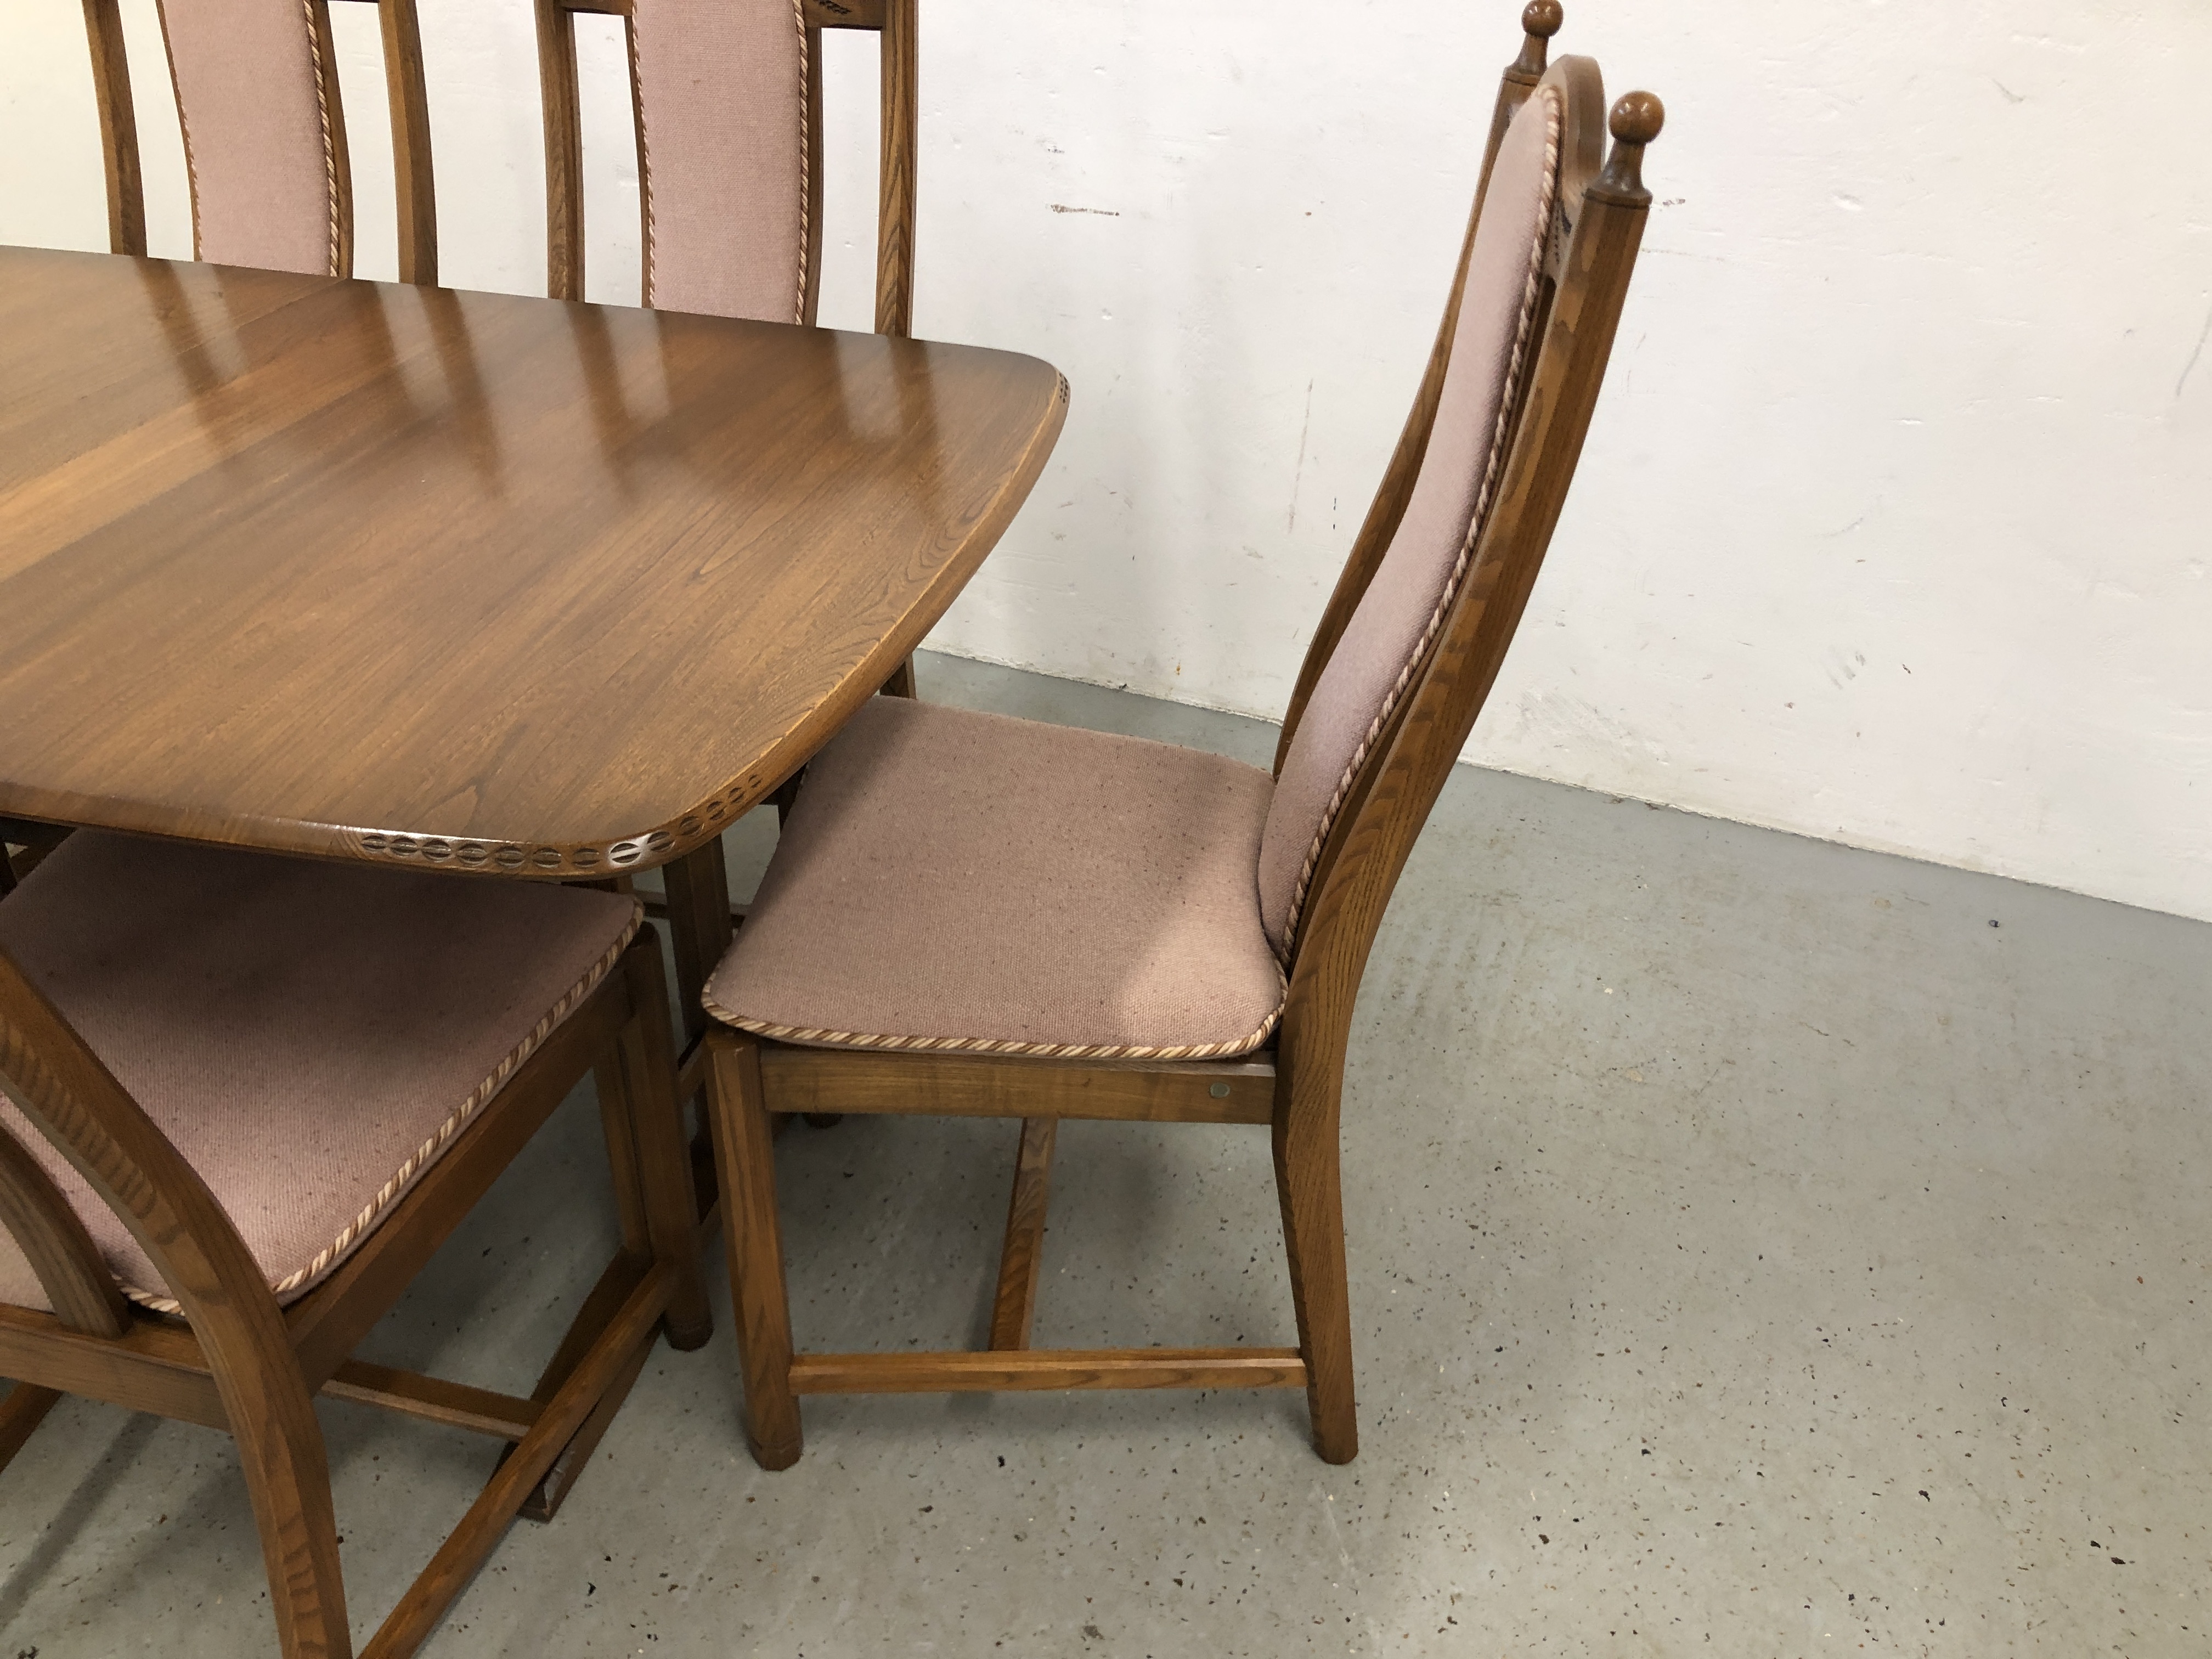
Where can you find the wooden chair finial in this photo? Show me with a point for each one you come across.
(1636, 120)
(1540, 22)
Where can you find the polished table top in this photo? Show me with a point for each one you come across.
(515, 585)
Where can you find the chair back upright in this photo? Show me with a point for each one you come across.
(727, 96)
(1438, 577)
(257, 93)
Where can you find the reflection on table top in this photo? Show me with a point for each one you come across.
(376, 571)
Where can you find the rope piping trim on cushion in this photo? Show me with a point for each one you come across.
(429, 1152)
(184, 128)
(805, 153)
(816, 1036)
(1528, 298)
(805, 156)
(323, 112)
(644, 161)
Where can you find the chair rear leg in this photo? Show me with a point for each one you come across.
(744, 1154)
(1023, 1253)
(1306, 1180)
(601, 1307)
(550, 1493)
(617, 1128)
(656, 1203)
(631, 1330)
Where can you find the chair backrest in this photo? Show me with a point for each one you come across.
(727, 96)
(1437, 579)
(257, 90)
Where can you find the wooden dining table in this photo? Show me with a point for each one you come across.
(506, 586)
(512, 588)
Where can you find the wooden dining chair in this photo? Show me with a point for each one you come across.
(971, 915)
(257, 91)
(727, 98)
(246, 1098)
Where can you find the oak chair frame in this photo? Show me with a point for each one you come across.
(1295, 1087)
(414, 185)
(894, 20)
(238, 1361)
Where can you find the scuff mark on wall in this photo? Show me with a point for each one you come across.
(2203, 334)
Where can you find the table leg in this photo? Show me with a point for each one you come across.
(698, 926)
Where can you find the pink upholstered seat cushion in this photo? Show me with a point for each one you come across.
(258, 133)
(312, 1036)
(722, 111)
(1405, 603)
(952, 880)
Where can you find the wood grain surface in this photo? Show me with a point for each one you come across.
(471, 580)
(1047, 1368)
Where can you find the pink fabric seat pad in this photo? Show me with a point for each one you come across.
(1391, 626)
(722, 111)
(312, 1037)
(954, 880)
(257, 133)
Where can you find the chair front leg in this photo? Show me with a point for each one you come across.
(752, 1233)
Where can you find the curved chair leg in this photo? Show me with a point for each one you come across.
(745, 1155)
(287, 1478)
(1306, 1180)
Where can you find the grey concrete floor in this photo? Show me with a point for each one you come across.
(1758, 1247)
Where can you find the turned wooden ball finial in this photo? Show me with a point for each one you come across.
(1540, 22)
(1637, 115)
(1635, 122)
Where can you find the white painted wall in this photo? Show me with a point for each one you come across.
(1895, 525)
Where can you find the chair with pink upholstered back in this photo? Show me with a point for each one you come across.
(257, 90)
(727, 98)
(243, 1100)
(972, 915)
